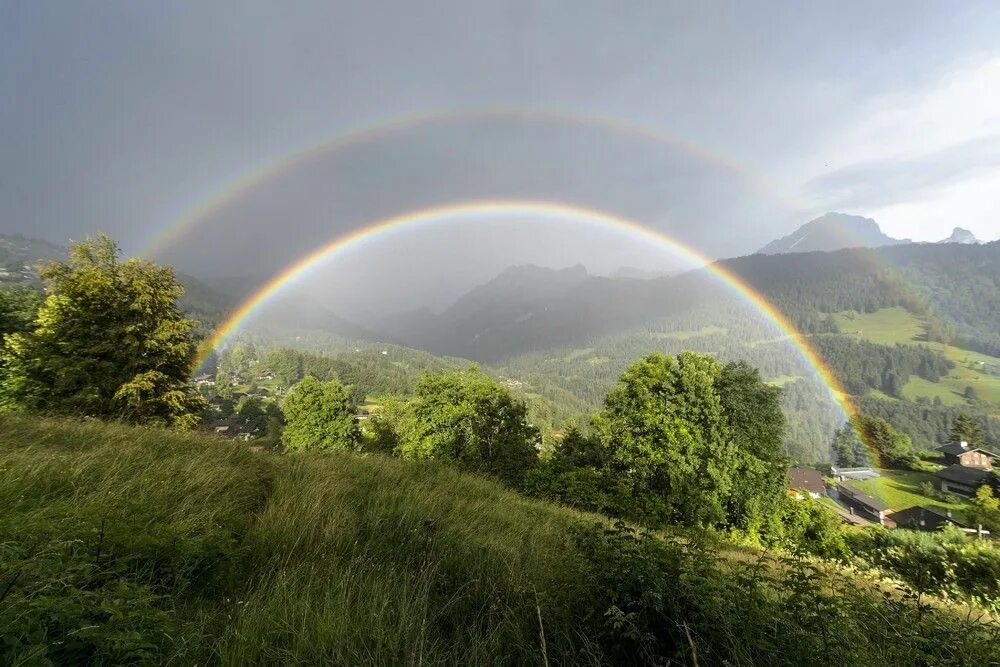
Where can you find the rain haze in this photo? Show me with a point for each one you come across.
(231, 140)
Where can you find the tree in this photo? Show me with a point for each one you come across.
(984, 509)
(109, 340)
(848, 450)
(18, 308)
(319, 415)
(665, 426)
(286, 365)
(467, 418)
(967, 429)
(223, 385)
(250, 410)
(969, 393)
(756, 425)
(893, 448)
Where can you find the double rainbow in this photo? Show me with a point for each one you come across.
(539, 209)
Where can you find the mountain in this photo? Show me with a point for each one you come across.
(960, 235)
(20, 256)
(833, 231)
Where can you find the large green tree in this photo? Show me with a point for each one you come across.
(320, 415)
(666, 429)
(468, 418)
(695, 442)
(109, 340)
(752, 409)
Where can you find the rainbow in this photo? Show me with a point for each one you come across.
(383, 228)
(391, 127)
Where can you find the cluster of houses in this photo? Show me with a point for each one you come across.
(966, 469)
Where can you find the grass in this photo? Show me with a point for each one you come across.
(782, 380)
(900, 489)
(891, 326)
(688, 335)
(122, 545)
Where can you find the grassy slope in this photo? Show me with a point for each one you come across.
(124, 545)
(890, 326)
(900, 489)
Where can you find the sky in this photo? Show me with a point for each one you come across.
(723, 124)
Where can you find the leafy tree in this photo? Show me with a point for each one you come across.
(848, 450)
(223, 385)
(893, 448)
(756, 425)
(467, 418)
(665, 426)
(391, 425)
(18, 308)
(967, 429)
(286, 365)
(969, 393)
(250, 409)
(109, 340)
(319, 415)
(984, 508)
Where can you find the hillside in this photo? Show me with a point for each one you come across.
(833, 231)
(123, 545)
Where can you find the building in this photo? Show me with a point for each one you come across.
(963, 480)
(859, 502)
(806, 480)
(959, 453)
(922, 518)
(840, 474)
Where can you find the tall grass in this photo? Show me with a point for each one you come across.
(124, 545)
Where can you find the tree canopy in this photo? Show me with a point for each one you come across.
(468, 418)
(109, 341)
(319, 415)
(696, 442)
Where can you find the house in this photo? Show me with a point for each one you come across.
(922, 518)
(960, 453)
(859, 502)
(963, 480)
(805, 480)
(840, 474)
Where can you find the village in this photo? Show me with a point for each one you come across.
(865, 496)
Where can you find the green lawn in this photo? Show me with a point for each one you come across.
(890, 326)
(688, 335)
(900, 489)
(782, 380)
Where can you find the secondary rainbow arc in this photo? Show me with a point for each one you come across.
(392, 126)
(384, 227)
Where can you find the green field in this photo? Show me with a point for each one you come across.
(140, 546)
(688, 335)
(890, 326)
(900, 489)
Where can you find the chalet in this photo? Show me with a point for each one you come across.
(805, 480)
(922, 518)
(960, 453)
(963, 480)
(859, 502)
(840, 474)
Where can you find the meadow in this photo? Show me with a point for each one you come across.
(123, 545)
(892, 326)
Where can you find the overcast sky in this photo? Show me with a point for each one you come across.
(127, 116)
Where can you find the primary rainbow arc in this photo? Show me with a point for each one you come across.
(493, 208)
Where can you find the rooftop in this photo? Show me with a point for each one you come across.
(806, 478)
(862, 497)
(958, 448)
(963, 474)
